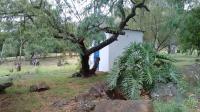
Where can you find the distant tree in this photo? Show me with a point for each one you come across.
(2, 40)
(18, 34)
(190, 33)
(162, 23)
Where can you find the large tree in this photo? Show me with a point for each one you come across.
(91, 22)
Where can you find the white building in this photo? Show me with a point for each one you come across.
(109, 53)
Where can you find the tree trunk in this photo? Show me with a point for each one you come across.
(85, 68)
(31, 60)
(18, 67)
(198, 52)
(169, 49)
(96, 64)
(19, 61)
(20, 53)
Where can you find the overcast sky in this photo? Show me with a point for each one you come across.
(77, 5)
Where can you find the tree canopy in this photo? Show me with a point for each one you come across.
(190, 33)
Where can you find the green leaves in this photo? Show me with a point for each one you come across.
(129, 90)
(189, 31)
(139, 68)
(10, 47)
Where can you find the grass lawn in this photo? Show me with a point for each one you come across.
(62, 86)
(183, 60)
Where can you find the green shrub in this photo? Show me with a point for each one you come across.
(187, 105)
(191, 102)
(172, 106)
(141, 67)
(183, 86)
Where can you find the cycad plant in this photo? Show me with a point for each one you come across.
(139, 68)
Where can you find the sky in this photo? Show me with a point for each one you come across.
(77, 5)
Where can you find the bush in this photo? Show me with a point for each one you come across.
(139, 68)
(172, 106)
(187, 105)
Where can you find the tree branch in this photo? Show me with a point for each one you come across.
(121, 27)
(142, 5)
(162, 42)
(106, 29)
(103, 44)
(62, 34)
(109, 30)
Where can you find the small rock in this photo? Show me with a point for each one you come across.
(197, 60)
(84, 97)
(99, 90)
(39, 87)
(60, 103)
(5, 85)
(164, 92)
(124, 106)
(85, 106)
(77, 74)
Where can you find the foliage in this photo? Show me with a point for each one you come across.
(21, 31)
(159, 25)
(183, 86)
(171, 106)
(140, 67)
(10, 47)
(187, 105)
(191, 102)
(189, 32)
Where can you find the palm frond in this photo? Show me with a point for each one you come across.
(140, 67)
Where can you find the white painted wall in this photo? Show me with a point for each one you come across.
(104, 57)
(109, 53)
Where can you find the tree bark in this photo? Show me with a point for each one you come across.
(85, 68)
(169, 49)
(31, 60)
(198, 52)
(18, 66)
(191, 51)
(96, 64)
